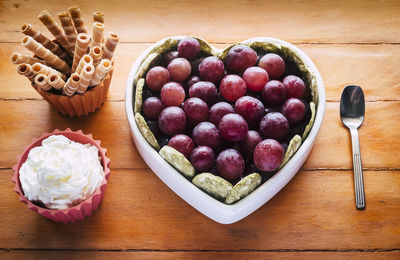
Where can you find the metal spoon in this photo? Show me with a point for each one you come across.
(352, 109)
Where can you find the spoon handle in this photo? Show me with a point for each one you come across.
(358, 173)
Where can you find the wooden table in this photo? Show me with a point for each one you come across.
(314, 216)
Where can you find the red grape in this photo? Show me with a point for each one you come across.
(172, 94)
(273, 64)
(233, 127)
(169, 56)
(204, 90)
(294, 110)
(274, 93)
(172, 120)
(240, 57)
(250, 109)
(268, 155)
(218, 110)
(274, 125)
(233, 87)
(182, 143)
(196, 110)
(211, 69)
(294, 86)
(255, 78)
(156, 77)
(192, 80)
(152, 107)
(188, 48)
(179, 69)
(230, 164)
(207, 134)
(250, 142)
(202, 158)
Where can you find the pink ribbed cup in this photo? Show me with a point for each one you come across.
(83, 209)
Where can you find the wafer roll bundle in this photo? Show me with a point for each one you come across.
(27, 29)
(98, 17)
(110, 44)
(55, 80)
(71, 85)
(55, 29)
(86, 77)
(41, 81)
(96, 52)
(86, 59)
(26, 70)
(18, 58)
(81, 47)
(74, 51)
(45, 54)
(100, 72)
(41, 68)
(77, 19)
(69, 29)
(97, 34)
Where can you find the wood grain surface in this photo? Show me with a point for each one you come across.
(313, 217)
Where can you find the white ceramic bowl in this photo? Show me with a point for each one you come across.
(201, 201)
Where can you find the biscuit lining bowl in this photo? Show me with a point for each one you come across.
(201, 201)
(81, 210)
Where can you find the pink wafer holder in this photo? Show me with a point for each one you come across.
(79, 211)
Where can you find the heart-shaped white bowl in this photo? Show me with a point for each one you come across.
(201, 201)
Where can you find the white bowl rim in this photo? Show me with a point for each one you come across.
(198, 199)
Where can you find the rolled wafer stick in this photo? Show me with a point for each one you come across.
(69, 29)
(39, 68)
(55, 29)
(40, 51)
(27, 29)
(98, 17)
(18, 58)
(96, 52)
(41, 81)
(55, 80)
(26, 70)
(81, 47)
(97, 34)
(110, 45)
(86, 59)
(101, 70)
(79, 24)
(86, 77)
(71, 85)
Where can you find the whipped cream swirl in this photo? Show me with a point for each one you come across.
(61, 173)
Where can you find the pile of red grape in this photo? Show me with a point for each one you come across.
(230, 117)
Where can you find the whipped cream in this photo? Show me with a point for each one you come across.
(61, 173)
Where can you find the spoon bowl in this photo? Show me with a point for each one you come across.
(352, 106)
(352, 110)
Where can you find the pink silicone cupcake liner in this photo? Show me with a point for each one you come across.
(79, 104)
(77, 212)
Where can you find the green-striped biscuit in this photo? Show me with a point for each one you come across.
(167, 45)
(291, 150)
(205, 46)
(310, 124)
(178, 160)
(266, 46)
(243, 187)
(145, 130)
(213, 185)
(139, 96)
